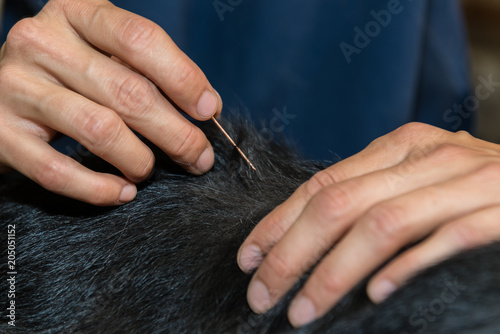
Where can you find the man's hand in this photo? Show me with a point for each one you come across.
(94, 72)
(416, 184)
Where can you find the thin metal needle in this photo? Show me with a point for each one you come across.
(232, 142)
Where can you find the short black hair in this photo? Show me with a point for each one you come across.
(166, 262)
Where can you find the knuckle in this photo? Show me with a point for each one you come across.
(99, 130)
(182, 78)
(330, 282)
(48, 175)
(384, 222)
(467, 236)
(414, 128)
(138, 34)
(331, 203)
(134, 96)
(463, 135)
(24, 34)
(412, 132)
(276, 227)
(280, 266)
(380, 142)
(321, 180)
(187, 139)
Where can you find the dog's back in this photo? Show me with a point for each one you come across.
(166, 263)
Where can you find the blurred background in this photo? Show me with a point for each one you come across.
(483, 22)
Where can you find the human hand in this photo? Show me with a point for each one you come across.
(94, 72)
(418, 184)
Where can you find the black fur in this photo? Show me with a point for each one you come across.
(166, 263)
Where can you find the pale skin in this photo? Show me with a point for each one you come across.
(417, 184)
(94, 72)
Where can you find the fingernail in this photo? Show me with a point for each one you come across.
(206, 160)
(301, 312)
(207, 104)
(128, 193)
(258, 297)
(249, 258)
(383, 290)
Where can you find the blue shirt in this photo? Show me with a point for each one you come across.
(331, 75)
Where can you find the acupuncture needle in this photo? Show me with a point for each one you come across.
(232, 142)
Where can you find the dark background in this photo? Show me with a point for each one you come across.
(483, 21)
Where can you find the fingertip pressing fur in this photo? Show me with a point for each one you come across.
(166, 262)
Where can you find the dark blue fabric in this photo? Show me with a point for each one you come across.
(269, 56)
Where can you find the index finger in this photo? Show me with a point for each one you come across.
(146, 47)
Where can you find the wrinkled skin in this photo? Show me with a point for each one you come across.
(95, 73)
(417, 185)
